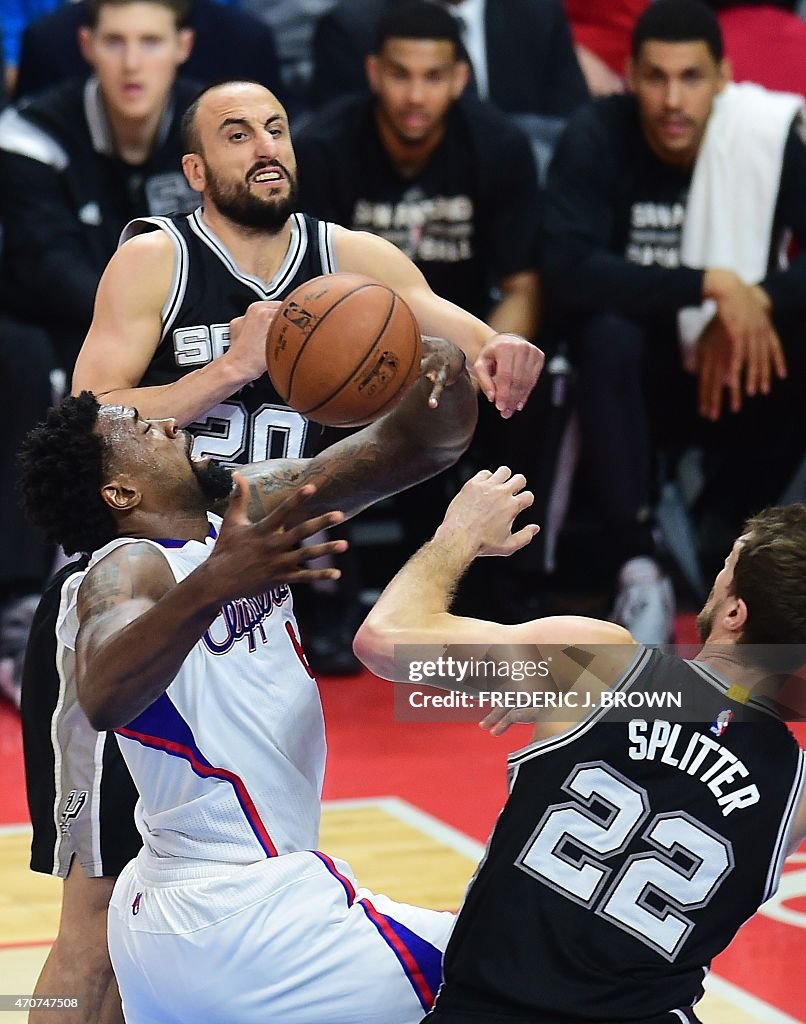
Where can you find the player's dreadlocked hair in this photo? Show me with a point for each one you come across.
(61, 473)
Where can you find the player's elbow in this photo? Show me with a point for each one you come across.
(373, 646)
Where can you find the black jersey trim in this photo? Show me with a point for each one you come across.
(712, 676)
(628, 677)
(179, 279)
(788, 818)
(288, 268)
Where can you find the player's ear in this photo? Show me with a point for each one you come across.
(461, 76)
(193, 169)
(186, 39)
(735, 615)
(120, 494)
(371, 70)
(85, 44)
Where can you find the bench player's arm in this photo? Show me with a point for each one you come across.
(505, 365)
(137, 624)
(125, 332)
(411, 443)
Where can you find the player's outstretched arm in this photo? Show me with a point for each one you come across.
(415, 607)
(506, 365)
(137, 624)
(126, 330)
(413, 442)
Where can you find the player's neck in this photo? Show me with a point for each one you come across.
(730, 661)
(256, 251)
(183, 526)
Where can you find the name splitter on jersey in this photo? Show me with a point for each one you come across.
(243, 618)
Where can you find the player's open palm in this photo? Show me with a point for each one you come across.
(485, 510)
(250, 557)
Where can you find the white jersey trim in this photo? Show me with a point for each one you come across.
(327, 248)
(628, 677)
(784, 832)
(288, 268)
(710, 675)
(20, 136)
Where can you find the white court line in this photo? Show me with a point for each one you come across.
(14, 830)
(411, 815)
(744, 1001)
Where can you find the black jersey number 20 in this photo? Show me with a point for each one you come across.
(678, 866)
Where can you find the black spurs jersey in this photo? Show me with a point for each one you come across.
(628, 855)
(207, 292)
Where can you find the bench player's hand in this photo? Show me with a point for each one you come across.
(247, 344)
(725, 362)
(507, 369)
(250, 557)
(484, 510)
(442, 363)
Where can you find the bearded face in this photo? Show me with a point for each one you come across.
(255, 202)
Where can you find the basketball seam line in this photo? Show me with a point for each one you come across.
(313, 331)
(358, 366)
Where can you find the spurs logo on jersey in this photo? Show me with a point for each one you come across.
(73, 805)
(208, 291)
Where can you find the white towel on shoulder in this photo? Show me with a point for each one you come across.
(734, 188)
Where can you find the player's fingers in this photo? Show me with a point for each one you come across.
(483, 370)
(704, 385)
(310, 552)
(778, 357)
(501, 475)
(310, 575)
(516, 483)
(438, 380)
(237, 510)
(523, 537)
(279, 515)
(309, 527)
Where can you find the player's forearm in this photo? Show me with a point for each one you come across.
(518, 311)
(413, 608)
(185, 400)
(407, 446)
(119, 676)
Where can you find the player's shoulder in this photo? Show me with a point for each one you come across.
(124, 568)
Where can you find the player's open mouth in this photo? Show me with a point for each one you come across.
(265, 176)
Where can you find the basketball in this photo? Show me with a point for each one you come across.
(342, 349)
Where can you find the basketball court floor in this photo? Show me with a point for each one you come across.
(410, 806)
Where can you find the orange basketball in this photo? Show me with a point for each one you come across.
(342, 349)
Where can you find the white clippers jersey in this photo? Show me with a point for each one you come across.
(229, 761)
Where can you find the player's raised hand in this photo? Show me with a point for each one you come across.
(442, 363)
(250, 557)
(507, 369)
(485, 509)
(247, 341)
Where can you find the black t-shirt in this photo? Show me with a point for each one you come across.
(467, 220)
(614, 213)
